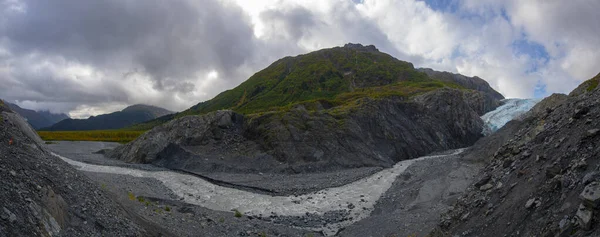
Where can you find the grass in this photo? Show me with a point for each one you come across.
(97, 135)
(592, 84)
(238, 214)
(131, 196)
(337, 76)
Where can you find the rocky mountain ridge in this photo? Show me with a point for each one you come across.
(44, 196)
(116, 120)
(334, 77)
(38, 119)
(375, 111)
(541, 176)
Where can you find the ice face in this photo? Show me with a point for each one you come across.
(511, 109)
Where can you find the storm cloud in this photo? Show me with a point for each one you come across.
(91, 57)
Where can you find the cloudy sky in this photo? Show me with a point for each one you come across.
(92, 57)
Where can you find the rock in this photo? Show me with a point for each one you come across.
(483, 181)
(13, 173)
(8, 215)
(584, 217)
(465, 216)
(507, 163)
(530, 203)
(351, 206)
(553, 170)
(591, 195)
(226, 120)
(592, 132)
(590, 177)
(499, 185)
(580, 112)
(486, 187)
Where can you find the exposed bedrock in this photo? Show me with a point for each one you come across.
(369, 133)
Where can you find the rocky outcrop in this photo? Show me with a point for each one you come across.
(43, 196)
(366, 133)
(487, 100)
(542, 173)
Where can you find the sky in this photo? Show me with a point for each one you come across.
(91, 57)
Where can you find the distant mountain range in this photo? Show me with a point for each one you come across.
(38, 119)
(126, 117)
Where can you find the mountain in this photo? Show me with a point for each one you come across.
(333, 77)
(540, 175)
(44, 196)
(337, 108)
(38, 119)
(126, 117)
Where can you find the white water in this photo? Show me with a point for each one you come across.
(197, 191)
(511, 109)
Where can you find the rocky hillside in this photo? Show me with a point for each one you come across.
(126, 117)
(492, 97)
(371, 132)
(43, 196)
(542, 176)
(38, 119)
(334, 76)
(344, 107)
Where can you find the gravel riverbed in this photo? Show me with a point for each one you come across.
(346, 206)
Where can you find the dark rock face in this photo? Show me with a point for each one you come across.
(40, 195)
(372, 133)
(544, 174)
(486, 101)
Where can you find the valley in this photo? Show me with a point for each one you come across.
(406, 198)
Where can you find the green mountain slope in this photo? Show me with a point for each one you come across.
(324, 74)
(333, 76)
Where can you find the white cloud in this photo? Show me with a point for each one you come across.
(190, 51)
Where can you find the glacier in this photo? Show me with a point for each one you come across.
(510, 109)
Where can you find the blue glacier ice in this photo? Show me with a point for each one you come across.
(511, 108)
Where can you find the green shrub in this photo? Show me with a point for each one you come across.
(140, 199)
(167, 208)
(238, 214)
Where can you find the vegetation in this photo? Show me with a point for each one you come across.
(167, 208)
(131, 196)
(238, 214)
(122, 136)
(336, 76)
(592, 84)
(323, 74)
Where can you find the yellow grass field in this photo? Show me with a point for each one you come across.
(98, 135)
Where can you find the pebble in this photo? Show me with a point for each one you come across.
(529, 203)
(486, 187)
